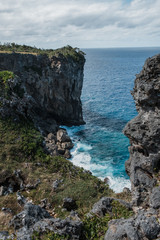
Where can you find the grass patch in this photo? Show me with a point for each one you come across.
(49, 236)
(5, 90)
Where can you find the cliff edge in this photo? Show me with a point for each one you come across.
(44, 88)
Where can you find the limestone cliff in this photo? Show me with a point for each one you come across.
(49, 87)
(143, 132)
(143, 165)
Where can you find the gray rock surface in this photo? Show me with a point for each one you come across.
(34, 218)
(142, 227)
(143, 132)
(155, 198)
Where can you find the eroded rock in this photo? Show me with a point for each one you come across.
(143, 132)
(142, 227)
(34, 218)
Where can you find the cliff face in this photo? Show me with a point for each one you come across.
(143, 165)
(144, 133)
(51, 87)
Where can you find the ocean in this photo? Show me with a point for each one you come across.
(100, 145)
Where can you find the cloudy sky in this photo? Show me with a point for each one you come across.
(81, 23)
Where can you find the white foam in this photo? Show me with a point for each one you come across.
(118, 183)
(82, 158)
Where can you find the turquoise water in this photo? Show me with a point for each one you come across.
(100, 145)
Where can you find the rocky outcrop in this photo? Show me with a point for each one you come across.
(104, 205)
(58, 143)
(44, 89)
(11, 182)
(144, 226)
(143, 132)
(36, 219)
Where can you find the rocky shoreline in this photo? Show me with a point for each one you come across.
(43, 187)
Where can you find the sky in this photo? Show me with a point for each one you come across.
(81, 23)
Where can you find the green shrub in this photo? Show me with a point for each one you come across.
(95, 227)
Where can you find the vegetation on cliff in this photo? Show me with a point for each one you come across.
(68, 52)
(21, 149)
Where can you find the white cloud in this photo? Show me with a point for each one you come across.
(81, 23)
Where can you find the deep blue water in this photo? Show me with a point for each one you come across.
(100, 145)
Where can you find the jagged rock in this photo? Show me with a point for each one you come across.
(155, 198)
(29, 216)
(69, 204)
(148, 225)
(104, 205)
(62, 227)
(35, 218)
(122, 230)
(143, 132)
(49, 89)
(142, 227)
